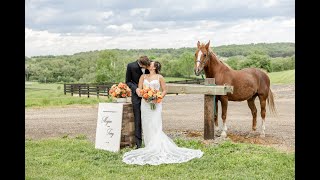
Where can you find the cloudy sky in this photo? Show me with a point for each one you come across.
(63, 27)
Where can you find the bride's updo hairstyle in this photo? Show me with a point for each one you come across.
(157, 65)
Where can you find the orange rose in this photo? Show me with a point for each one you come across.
(145, 96)
(114, 94)
(123, 95)
(159, 100)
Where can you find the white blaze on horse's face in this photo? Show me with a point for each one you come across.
(199, 58)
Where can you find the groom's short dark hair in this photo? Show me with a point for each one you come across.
(144, 60)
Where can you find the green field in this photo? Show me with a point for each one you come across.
(76, 158)
(43, 95)
(167, 79)
(283, 77)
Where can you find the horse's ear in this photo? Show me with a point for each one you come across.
(207, 45)
(198, 44)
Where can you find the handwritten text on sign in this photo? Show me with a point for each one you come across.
(108, 133)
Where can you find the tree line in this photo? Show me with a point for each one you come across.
(110, 65)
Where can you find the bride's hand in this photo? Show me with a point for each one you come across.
(138, 92)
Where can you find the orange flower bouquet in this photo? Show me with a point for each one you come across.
(121, 90)
(152, 96)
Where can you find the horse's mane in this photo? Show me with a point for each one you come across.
(226, 64)
(210, 50)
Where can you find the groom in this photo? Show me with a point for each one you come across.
(134, 71)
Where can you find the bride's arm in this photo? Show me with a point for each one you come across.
(139, 85)
(163, 86)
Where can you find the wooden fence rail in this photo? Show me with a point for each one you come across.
(192, 81)
(103, 89)
(88, 89)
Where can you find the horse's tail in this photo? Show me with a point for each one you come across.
(270, 100)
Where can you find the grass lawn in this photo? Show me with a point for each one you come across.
(76, 158)
(41, 95)
(283, 77)
(167, 79)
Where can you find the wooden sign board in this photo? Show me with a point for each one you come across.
(108, 132)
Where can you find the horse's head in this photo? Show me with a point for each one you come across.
(201, 57)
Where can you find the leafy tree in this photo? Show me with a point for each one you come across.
(110, 65)
(258, 60)
(186, 63)
(110, 68)
(282, 64)
(235, 61)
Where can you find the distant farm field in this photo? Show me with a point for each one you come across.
(283, 77)
(40, 95)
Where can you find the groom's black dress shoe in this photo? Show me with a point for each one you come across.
(138, 144)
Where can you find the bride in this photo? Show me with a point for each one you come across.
(159, 148)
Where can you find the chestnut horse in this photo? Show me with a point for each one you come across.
(247, 83)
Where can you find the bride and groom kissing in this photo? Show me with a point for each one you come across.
(159, 148)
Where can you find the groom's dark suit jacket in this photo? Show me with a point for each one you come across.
(132, 79)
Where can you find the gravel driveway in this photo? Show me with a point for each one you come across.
(182, 116)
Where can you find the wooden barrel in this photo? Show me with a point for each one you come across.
(127, 129)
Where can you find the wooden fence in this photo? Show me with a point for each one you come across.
(88, 89)
(103, 89)
(192, 81)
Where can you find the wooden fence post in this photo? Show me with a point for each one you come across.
(65, 89)
(71, 89)
(208, 112)
(79, 87)
(88, 89)
(98, 91)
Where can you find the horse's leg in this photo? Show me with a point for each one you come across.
(224, 107)
(216, 125)
(263, 114)
(253, 109)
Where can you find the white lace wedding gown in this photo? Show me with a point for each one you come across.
(159, 148)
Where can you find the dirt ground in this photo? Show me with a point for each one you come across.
(183, 116)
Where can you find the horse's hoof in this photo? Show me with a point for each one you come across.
(223, 134)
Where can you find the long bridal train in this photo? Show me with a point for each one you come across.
(159, 148)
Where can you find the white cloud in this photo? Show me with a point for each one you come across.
(270, 3)
(240, 32)
(124, 27)
(140, 12)
(67, 27)
(45, 43)
(106, 15)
